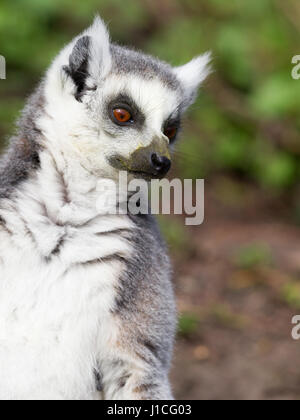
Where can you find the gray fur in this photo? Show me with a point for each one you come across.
(146, 307)
(130, 61)
(145, 286)
(22, 156)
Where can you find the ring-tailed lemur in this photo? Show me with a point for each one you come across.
(86, 303)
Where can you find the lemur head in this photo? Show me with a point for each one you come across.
(116, 108)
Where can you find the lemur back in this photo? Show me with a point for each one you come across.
(86, 300)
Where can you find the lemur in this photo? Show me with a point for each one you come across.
(87, 306)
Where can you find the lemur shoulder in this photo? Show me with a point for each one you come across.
(86, 301)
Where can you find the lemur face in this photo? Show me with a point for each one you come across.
(139, 122)
(117, 108)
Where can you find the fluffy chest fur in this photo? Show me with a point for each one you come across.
(59, 279)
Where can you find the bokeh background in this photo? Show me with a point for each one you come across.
(237, 276)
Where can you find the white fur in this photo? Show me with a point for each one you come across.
(100, 64)
(194, 73)
(53, 313)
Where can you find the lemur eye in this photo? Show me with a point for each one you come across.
(122, 115)
(171, 132)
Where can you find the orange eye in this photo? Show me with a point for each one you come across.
(122, 115)
(170, 132)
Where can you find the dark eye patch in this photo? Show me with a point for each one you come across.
(124, 101)
(172, 127)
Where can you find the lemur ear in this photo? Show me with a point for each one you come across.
(192, 74)
(100, 57)
(90, 57)
(78, 64)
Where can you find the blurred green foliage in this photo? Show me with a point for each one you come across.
(253, 255)
(176, 236)
(223, 316)
(188, 324)
(245, 122)
(290, 294)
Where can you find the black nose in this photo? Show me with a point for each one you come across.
(160, 164)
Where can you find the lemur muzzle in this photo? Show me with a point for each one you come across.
(152, 161)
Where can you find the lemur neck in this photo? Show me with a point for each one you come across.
(54, 203)
(43, 167)
(68, 192)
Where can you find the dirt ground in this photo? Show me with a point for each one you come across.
(237, 304)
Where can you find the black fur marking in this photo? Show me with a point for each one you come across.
(123, 381)
(57, 249)
(78, 65)
(4, 226)
(150, 346)
(29, 232)
(98, 380)
(142, 357)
